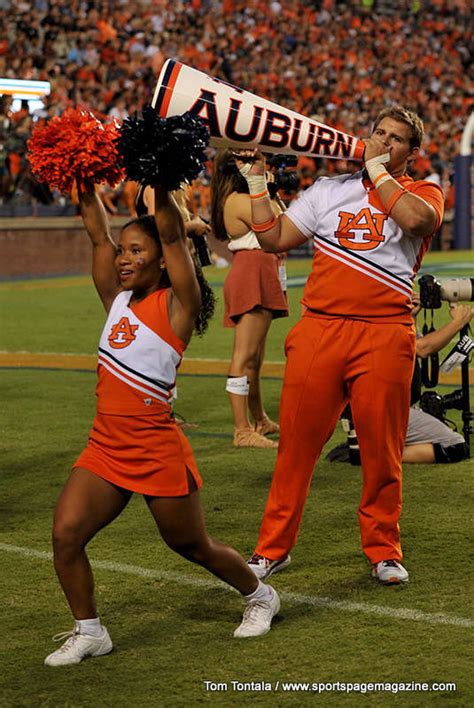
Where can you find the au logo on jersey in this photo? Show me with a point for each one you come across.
(362, 231)
(122, 334)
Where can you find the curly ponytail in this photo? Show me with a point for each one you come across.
(208, 303)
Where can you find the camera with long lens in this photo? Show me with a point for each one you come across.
(284, 178)
(433, 292)
(436, 405)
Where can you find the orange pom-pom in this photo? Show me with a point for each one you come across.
(74, 146)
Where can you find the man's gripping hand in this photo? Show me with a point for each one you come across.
(461, 313)
(251, 165)
(376, 156)
(249, 162)
(376, 148)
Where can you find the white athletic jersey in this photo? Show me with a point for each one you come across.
(138, 356)
(363, 264)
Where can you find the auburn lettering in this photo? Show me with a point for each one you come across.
(278, 130)
(122, 334)
(362, 231)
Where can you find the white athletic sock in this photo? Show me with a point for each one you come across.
(263, 592)
(89, 626)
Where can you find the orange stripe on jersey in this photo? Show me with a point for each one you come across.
(153, 312)
(115, 396)
(135, 380)
(363, 265)
(353, 290)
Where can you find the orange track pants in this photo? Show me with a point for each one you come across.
(329, 361)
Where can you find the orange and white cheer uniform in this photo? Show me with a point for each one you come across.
(134, 442)
(355, 341)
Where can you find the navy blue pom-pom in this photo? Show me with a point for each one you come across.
(164, 151)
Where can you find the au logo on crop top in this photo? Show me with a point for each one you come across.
(362, 231)
(122, 334)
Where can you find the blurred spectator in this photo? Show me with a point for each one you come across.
(339, 60)
(118, 111)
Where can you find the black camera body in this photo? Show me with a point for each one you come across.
(430, 292)
(284, 179)
(436, 405)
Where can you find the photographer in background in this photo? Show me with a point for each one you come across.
(428, 438)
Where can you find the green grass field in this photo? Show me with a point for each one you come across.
(171, 622)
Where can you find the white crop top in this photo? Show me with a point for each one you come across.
(247, 242)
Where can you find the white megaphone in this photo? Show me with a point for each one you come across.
(239, 119)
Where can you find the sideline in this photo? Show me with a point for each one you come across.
(88, 362)
(461, 269)
(218, 367)
(401, 613)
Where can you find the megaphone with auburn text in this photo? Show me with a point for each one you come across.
(239, 119)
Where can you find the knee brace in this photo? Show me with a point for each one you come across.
(238, 385)
(452, 453)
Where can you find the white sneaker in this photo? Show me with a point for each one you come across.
(258, 616)
(77, 646)
(390, 572)
(264, 567)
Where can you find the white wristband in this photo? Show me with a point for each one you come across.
(257, 183)
(376, 169)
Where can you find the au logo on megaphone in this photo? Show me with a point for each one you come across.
(240, 119)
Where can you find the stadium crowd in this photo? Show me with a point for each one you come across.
(337, 61)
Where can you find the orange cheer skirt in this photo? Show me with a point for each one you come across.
(147, 454)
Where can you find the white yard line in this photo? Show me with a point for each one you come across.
(401, 613)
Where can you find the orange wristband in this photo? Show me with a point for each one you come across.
(266, 226)
(381, 179)
(394, 199)
(260, 195)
